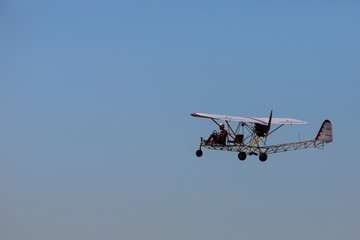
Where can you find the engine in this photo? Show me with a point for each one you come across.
(261, 130)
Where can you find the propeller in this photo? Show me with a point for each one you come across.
(269, 124)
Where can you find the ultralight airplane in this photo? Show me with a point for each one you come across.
(251, 133)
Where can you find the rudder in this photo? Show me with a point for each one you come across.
(325, 132)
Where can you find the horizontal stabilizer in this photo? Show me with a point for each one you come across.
(325, 132)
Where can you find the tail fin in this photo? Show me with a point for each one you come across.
(325, 132)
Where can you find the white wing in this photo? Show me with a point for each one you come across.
(249, 119)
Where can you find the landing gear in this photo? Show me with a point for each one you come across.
(263, 157)
(199, 153)
(242, 156)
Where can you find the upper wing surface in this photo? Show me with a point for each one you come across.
(249, 119)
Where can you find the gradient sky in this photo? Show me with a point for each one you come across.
(96, 138)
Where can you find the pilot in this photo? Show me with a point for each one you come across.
(218, 137)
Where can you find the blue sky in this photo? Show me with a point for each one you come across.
(96, 137)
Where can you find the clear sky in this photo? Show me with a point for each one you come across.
(96, 138)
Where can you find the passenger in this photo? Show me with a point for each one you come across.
(218, 137)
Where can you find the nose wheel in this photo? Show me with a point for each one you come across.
(199, 153)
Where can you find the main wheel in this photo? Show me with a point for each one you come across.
(199, 153)
(242, 156)
(263, 157)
